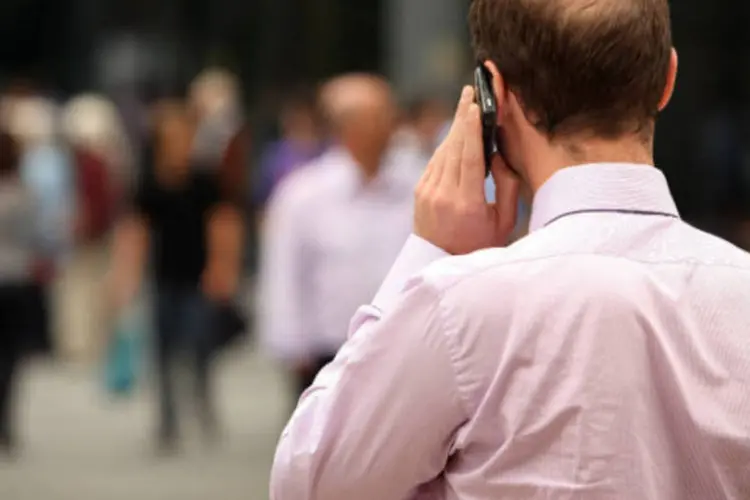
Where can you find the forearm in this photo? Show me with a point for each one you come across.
(129, 253)
(226, 237)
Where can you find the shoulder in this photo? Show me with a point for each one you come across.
(524, 276)
(306, 185)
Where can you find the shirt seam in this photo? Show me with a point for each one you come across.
(452, 349)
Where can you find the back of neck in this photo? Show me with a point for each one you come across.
(543, 163)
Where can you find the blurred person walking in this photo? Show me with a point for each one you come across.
(301, 141)
(103, 171)
(48, 173)
(222, 142)
(194, 238)
(18, 262)
(333, 229)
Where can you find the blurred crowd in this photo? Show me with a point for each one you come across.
(106, 203)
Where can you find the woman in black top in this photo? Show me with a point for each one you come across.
(179, 221)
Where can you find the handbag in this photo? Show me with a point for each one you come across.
(124, 355)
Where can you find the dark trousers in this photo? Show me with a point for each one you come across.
(38, 337)
(12, 330)
(185, 321)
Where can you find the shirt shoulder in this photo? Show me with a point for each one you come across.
(452, 271)
(525, 272)
(307, 185)
(544, 264)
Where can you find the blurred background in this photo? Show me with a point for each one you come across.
(102, 100)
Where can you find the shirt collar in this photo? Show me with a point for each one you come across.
(602, 187)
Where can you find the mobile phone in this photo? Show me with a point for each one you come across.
(485, 97)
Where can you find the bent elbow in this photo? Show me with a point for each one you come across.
(297, 476)
(291, 475)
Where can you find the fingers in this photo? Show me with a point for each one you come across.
(448, 151)
(472, 178)
(455, 145)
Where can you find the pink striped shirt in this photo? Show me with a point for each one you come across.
(604, 356)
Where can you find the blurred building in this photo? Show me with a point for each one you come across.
(140, 48)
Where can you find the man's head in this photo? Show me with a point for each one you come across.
(214, 91)
(575, 75)
(361, 111)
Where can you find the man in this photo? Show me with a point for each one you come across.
(605, 355)
(195, 241)
(332, 231)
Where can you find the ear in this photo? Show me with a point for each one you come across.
(671, 79)
(498, 86)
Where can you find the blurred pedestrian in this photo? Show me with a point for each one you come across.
(333, 229)
(18, 246)
(47, 171)
(301, 141)
(222, 140)
(180, 218)
(103, 171)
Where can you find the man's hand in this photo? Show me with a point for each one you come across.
(451, 211)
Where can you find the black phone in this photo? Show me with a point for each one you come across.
(485, 97)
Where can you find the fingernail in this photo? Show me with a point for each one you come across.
(466, 93)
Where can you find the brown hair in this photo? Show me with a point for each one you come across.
(9, 154)
(579, 66)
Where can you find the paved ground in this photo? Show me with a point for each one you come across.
(80, 446)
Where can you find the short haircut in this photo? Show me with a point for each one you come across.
(595, 67)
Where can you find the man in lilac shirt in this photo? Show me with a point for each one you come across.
(604, 356)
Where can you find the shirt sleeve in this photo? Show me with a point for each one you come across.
(380, 421)
(284, 322)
